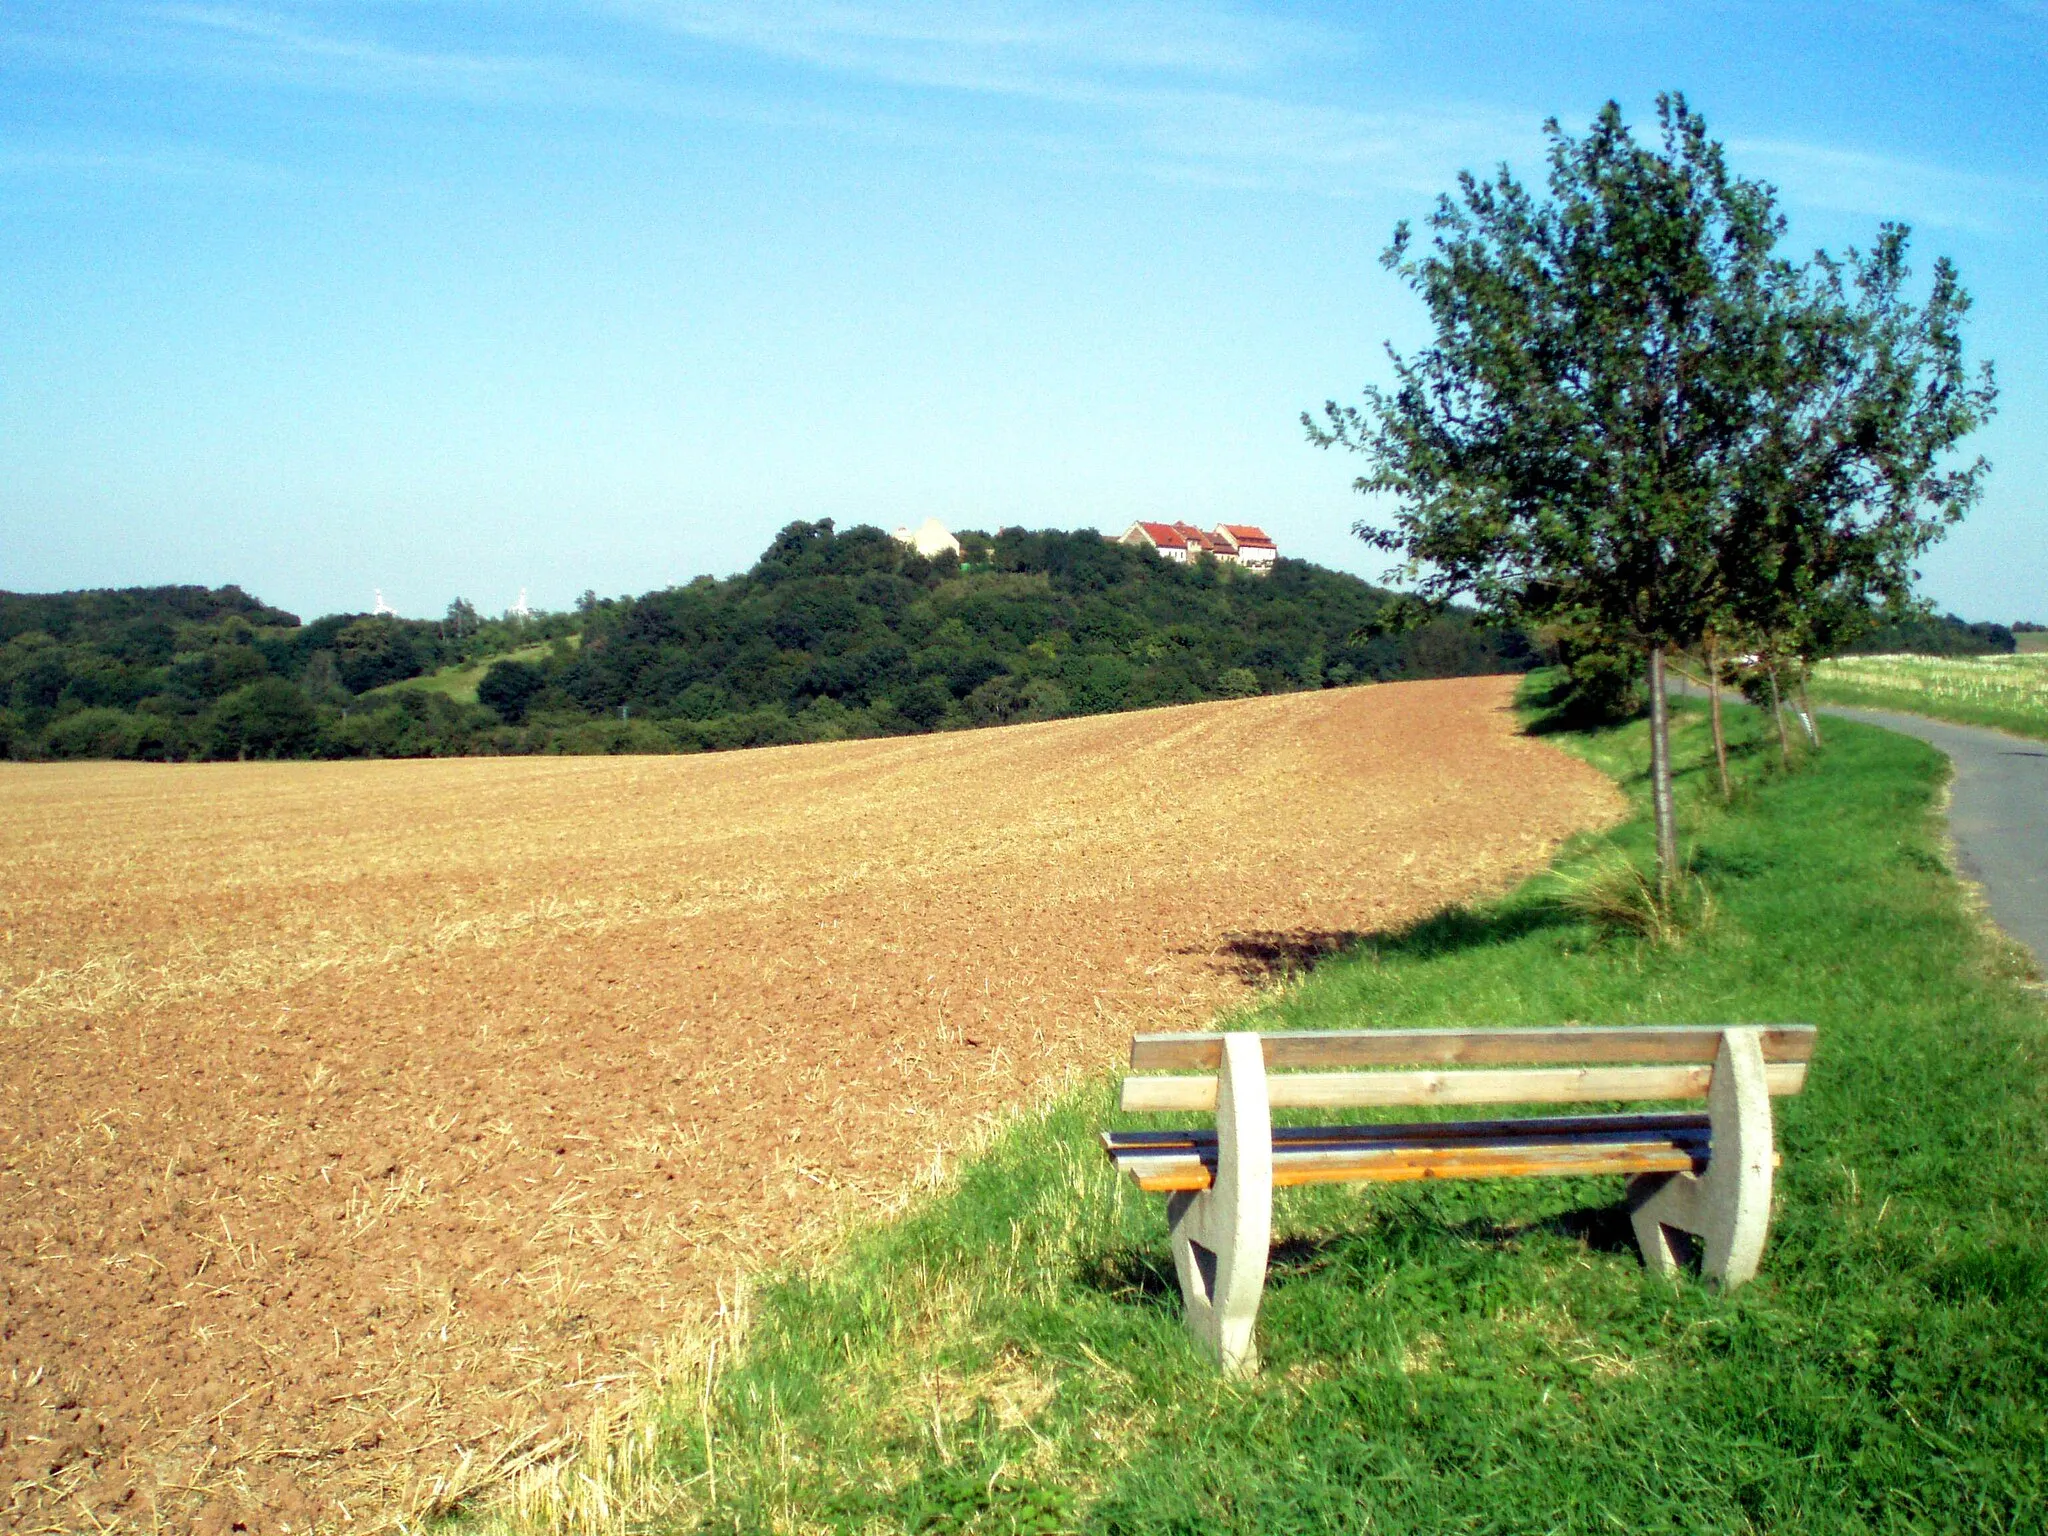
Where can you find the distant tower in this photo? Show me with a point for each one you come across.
(383, 609)
(519, 610)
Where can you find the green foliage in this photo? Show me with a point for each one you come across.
(1929, 635)
(167, 673)
(1563, 449)
(269, 718)
(1638, 419)
(508, 688)
(854, 633)
(1602, 683)
(1491, 1357)
(93, 733)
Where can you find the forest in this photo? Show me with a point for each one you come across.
(830, 635)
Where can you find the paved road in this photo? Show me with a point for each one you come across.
(1998, 815)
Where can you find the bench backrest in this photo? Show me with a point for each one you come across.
(1553, 1065)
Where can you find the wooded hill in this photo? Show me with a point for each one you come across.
(830, 635)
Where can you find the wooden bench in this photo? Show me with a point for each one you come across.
(1703, 1175)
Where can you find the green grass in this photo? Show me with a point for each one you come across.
(1485, 1357)
(459, 683)
(2008, 693)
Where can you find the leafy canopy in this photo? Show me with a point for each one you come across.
(1637, 418)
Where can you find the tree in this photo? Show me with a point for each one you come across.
(1844, 485)
(321, 681)
(1579, 444)
(270, 718)
(372, 652)
(509, 688)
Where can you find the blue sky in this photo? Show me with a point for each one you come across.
(464, 298)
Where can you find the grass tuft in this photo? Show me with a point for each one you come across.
(1618, 900)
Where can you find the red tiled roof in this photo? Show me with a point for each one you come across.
(1246, 536)
(1200, 540)
(1165, 535)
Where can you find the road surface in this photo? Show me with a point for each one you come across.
(1998, 815)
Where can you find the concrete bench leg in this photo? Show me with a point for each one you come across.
(1221, 1234)
(1727, 1208)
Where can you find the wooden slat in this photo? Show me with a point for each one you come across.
(1407, 1167)
(1685, 1123)
(1555, 1147)
(1597, 1044)
(1520, 1085)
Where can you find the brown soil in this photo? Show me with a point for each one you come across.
(359, 1122)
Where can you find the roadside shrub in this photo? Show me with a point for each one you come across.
(1601, 686)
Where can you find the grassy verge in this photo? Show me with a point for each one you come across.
(459, 683)
(2007, 693)
(1478, 1357)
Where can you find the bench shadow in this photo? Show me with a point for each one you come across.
(1275, 954)
(1145, 1277)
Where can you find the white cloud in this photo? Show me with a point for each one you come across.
(274, 44)
(1204, 91)
(1190, 92)
(976, 45)
(1892, 187)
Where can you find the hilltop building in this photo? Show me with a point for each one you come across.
(1250, 545)
(1232, 543)
(931, 540)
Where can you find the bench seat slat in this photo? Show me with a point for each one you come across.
(1639, 1044)
(1162, 1161)
(1654, 1122)
(1516, 1085)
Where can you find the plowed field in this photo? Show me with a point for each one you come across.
(359, 1122)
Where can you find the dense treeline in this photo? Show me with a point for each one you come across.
(1947, 635)
(173, 673)
(853, 634)
(830, 635)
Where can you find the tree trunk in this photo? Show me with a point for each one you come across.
(1660, 778)
(1778, 714)
(1812, 720)
(1714, 698)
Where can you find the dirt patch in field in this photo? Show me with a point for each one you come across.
(360, 1122)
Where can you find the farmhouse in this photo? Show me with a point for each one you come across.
(1235, 543)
